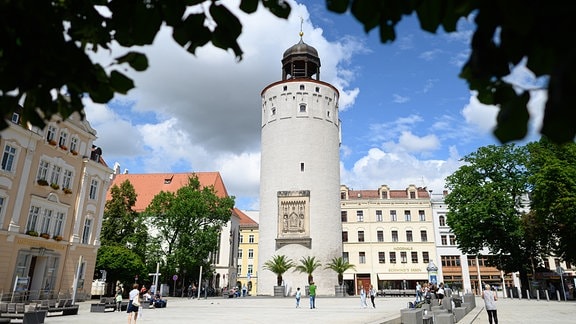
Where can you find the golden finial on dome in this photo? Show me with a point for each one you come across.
(301, 32)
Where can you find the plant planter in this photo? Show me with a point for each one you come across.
(57, 238)
(52, 142)
(32, 233)
(339, 291)
(45, 235)
(278, 291)
(42, 182)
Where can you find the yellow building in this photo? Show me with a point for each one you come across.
(248, 253)
(53, 185)
(388, 235)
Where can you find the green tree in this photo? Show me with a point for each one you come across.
(279, 264)
(339, 265)
(308, 265)
(121, 265)
(44, 49)
(121, 225)
(553, 176)
(487, 201)
(187, 224)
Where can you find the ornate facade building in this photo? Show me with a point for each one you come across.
(53, 185)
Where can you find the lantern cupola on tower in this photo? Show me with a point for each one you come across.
(301, 61)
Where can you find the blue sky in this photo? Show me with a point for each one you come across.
(406, 116)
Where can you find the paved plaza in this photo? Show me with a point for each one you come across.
(329, 310)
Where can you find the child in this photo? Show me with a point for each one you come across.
(298, 295)
(119, 300)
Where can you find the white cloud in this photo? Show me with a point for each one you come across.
(480, 116)
(413, 143)
(430, 55)
(400, 99)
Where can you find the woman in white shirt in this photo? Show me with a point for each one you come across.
(490, 299)
(133, 309)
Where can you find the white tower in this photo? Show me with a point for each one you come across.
(300, 172)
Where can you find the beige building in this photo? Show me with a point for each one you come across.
(248, 253)
(388, 235)
(53, 185)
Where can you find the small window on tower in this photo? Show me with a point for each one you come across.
(328, 113)
(273, 111)
(317, 89)
(302, 167)
(301, 87)
(302, 108)
(285, 88)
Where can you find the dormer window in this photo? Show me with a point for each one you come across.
(412, 195)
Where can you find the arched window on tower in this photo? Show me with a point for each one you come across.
(302, 108)
(302, 87)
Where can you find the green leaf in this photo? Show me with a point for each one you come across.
(249, 6)
(280, 9)
(120, 83)
(137, 61)
(513, 118)
(337, 6)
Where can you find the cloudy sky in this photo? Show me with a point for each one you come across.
(406, 116)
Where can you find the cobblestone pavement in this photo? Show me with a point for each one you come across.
(329, 310)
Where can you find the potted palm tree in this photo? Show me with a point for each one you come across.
(339, 265)
(308, 265)
(279, 264)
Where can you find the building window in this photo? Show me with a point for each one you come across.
(239, 270)
(361, 257)
(409, 237)
(412, 195)
(450, 260)
(67, 180)
(302, 87)
(344, 216)
(359, 215)
(250, 253)
(317, 89)
(43, 170)
(421, 216)
(360, 236)
(251, 238)
(444, 240)
(59, 223)
(250, 269)
(239, 253)
(33, 215)
(414, 257)
(380, 236)
(241, 239)
(345, 257)
(86, 231)
(51, 134)
(403, 257)
(63, 139)
(46, 221)
(285, 88)
(384, 194)
(93, 188)
(273, 111)
(452, 239)
(15, 118)
(344, 236)
(392, 257)
(381, 257)
(74, 144)
(1, 209)
(8, 158)
(394, 236)
(55, 176)
(393, 216)
(302, 108)
(407, 216)
(442, 221)
(423, 236)
(425, 257)
(301, 166)
(379, 216)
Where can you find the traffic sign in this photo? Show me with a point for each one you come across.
(175, 277)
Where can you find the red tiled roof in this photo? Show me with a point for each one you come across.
(393, 194)
(149, 185)
(245, 220)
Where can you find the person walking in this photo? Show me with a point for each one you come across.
(312, 292)
(298, 295)
(418, 292)
(119, 300)
(490, 299)
(133, 304)
(372, 294)
(363, 298)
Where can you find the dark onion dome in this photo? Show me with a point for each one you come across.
(301, 61)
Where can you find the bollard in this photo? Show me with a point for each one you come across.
(558, 295)
(547, 296)
(538, 295)
(528, 294)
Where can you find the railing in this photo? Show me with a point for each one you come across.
(30, 295)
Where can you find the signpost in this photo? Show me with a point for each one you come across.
(156, 275)
(174, 277)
